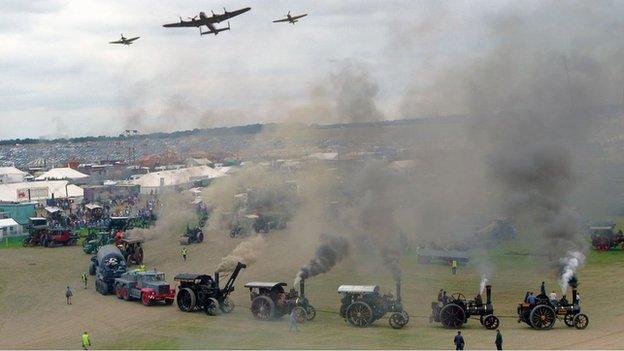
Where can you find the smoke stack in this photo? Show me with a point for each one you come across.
(302, 288)
(216, 279)
(398, 290)
(573, 282)
(488, 294)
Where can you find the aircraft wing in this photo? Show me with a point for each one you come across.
(132, 39)
(116, 42)
(281, 20)
(182, 24)
(296, 17)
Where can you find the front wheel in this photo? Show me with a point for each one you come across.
(581, 321)
(227, 306)
(145, 299)
(397, 320)
(491, 322)
(212, 307)
(310, 312)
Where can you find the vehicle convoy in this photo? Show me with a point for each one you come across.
(543, 313)
(108, 264)
(361, 305)
(147, 286)
(604, 237)
(454, 311)
(202, 292)
(270, 301)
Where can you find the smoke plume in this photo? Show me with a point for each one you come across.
(482, 284)
(246, 252)
(331, 251)
(570, 264)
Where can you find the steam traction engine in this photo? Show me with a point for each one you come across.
(270, 301)
(202, 292)
(544, 313)
(361, 305)
(604, 237)
(148, 286)
(456, 311)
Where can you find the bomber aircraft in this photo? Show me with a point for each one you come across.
(209, 22)
(124, 40)
(291, 19)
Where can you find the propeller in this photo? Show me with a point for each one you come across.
(224, 10)
(288, 13)
(193, 18)
(213, 14)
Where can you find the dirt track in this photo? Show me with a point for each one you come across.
(34, 313)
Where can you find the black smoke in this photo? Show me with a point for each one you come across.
(331, 251)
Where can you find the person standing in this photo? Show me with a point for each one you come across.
(85, 279)
(454, 267)
(499, 340)
(292, 321)
(86, 342)
(68, 295)
(184, 253)
(459, 341)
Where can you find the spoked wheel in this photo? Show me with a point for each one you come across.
(227, 306)
(491, 322)
(542, 317)
(311, 312)
(212, 306)
(145, 300)
(581, 321)
(601, 243)
(397, 320)
(263, 308)
(458, 296)
(359, 314)
(300, 314)
(406, 316)
(186, 300)
(452, 316)
(569, 320)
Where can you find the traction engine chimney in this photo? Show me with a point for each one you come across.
(488, 294)
(398, 290)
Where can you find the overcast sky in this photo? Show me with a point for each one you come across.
(60, 77)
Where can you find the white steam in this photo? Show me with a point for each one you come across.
(571, 263)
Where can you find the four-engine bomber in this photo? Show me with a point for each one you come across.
(202, 292)
(147, 286)
(543, 313)
(361, 305)
(270, 301)
(455, 310)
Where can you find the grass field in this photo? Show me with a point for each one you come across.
(33, 313)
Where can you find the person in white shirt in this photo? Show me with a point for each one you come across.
(553, 296)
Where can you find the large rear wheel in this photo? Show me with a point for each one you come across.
(452, 316)
(359, 314)
(186, 300)
(542, 317)
(601, 243)
(263, 308)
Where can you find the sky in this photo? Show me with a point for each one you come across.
(60, 77)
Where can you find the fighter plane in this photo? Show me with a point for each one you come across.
(124, 40)
(209, 22)
(291, 19)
